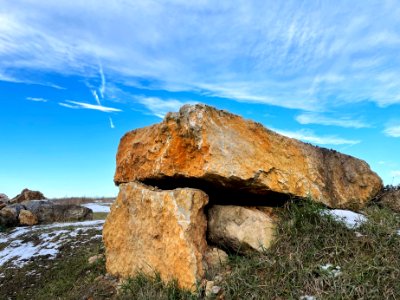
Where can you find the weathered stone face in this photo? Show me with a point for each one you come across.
(241, 229)
(221, 149)
(150, 230)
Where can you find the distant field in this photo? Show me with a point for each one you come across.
(82, 200)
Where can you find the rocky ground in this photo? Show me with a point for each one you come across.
(36, 261)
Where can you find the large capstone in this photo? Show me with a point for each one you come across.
(212, 149)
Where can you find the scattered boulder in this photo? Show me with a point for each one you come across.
(43, 209)
(47, 211)
(27, 195)
(241, 229)
(8, 217)
(391, 198)
(206, 148)
(64, 212)
(150, 230)
(17, 206)
(3, 198)
(27, 218)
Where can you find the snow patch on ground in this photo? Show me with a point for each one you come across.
(308, 297)
(332, 270)
(98, 207)
(351, 219)
(47, 242)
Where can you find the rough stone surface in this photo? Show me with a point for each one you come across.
(221, 149)
(391, 199)
(2, 204)
(8, 217)
(241, 229)
(27, 218)
(150, 230)
(47, 212)
(215, 257)
(17, 206)
(26, 195)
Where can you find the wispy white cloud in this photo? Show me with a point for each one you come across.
(310, 137)
(35, 99)
(102, 88)
(96, 97)
(69, 105)
(159, 107)
(392, 131)
(83, 105)
(314, 118)
(309, 56)
(395, 173)
(112, 126)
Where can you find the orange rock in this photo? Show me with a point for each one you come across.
(151, 231)
(27, 218)
(221, 149)
(27, 195)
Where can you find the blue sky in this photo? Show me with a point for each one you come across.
(76, 75)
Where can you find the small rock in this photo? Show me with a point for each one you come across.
(358, 234)
(215, 257)
(209, 286)
(215, 289)
(95, 258)
(212, 289)
(27, 218)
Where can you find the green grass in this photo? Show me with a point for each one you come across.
(306, 240)
(144, 287)
(100, 215)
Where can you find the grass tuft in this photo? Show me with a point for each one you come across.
(145, 287)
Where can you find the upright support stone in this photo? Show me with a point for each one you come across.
(154, 231)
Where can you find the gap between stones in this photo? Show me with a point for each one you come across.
(233, 192)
